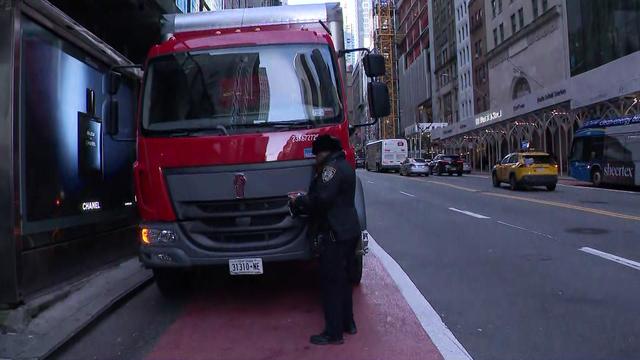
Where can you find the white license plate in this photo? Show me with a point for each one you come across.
(245, 266)
(539, 169)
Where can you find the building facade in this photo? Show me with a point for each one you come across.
(478, 41)
(414, 68)
(445, 99)
(552, 64)
(464, 63)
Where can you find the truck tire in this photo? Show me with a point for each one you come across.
(171, 282)
(355, 273)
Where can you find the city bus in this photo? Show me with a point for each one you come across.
(385, 155)
(607, 151)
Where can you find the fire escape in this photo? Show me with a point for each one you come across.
(384, 41)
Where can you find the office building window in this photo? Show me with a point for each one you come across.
(521, 17)
(495, 37)
(493, 7)
(545, 5)
(499, 6)
(601, 31)
(534, 5)
(513, 24)
(501, 32)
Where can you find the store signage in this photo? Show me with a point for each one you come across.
(491, 116)
(551, 95)
(517, 107)
(92, 205)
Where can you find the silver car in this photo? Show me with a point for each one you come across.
(412, 166)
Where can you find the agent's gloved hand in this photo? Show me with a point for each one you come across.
(294, 207)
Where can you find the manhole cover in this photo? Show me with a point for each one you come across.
(587, 231)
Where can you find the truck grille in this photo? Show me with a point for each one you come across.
(239, 225)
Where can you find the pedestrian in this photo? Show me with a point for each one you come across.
(330, 205)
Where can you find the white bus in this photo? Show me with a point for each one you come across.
(383, 155)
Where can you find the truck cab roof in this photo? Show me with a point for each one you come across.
(211, 39)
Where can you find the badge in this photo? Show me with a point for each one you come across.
(327, 173)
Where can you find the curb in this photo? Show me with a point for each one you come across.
(36, 329)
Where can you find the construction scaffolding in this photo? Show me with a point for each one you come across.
(384, 32)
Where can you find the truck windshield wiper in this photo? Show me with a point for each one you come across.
(219, 129)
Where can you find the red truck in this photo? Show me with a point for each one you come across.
(230, 105)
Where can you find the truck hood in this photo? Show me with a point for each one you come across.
(159, 156)
(232, 149)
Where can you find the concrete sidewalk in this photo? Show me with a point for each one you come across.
(37, 328)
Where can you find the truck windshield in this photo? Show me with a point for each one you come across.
(241, 89)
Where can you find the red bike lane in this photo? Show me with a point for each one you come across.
(275, 320)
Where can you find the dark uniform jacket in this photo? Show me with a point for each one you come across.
(330, 200)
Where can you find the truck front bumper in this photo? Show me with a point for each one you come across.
(182, 251)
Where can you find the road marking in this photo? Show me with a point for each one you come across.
(567, 206)
(449, 347)
(525, 229)
(477, 176)
(402, 192)
(370, 182)
(614, 258)
(470, 213)
(453, 186)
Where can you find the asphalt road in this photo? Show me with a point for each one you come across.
(514, 275)
(508, 276)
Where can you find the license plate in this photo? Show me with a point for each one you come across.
(539, 169)
(245, 266)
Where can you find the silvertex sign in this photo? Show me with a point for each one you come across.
(618, 171)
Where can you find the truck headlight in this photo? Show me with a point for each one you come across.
(157, 236)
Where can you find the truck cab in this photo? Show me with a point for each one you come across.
(230, 105)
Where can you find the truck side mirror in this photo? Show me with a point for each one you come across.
(112, 117)
(114, 82)
(378, 97)
(374, 65)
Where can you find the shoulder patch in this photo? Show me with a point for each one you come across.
(327, 173)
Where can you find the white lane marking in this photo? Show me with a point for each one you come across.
(470, 213)
(614, 258)
(525, 229)
(402, 192)
(370, 182)
(513, 226)
(449, 347)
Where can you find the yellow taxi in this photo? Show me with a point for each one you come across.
(526, 168)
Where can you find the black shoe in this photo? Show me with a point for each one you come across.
(351, 329)
(325, 339)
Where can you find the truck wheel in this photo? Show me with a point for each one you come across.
(355, 273)
(171, 282)
(551, 187)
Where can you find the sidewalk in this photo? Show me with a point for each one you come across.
(37, 328)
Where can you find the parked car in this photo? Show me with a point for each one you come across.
(526, 168)
(360, 162)
(447, 164)
(412, 166)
